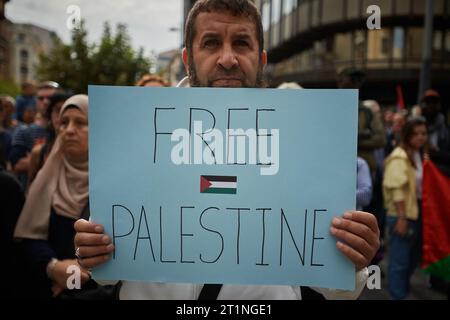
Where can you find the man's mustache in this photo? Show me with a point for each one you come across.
(221, 73)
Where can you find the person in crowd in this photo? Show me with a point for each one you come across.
(388, 115)
(5, 136)
(224, 48)
(27, 137)
(56, 199)
(370, 128)
(45, 92)
(376, 205)
(363, 184)
(28, 116)
(393, 138)
(11, 200)
(9, 105)
(41, 151)
(27, 100)
(149, 80)
(402, 189)
(416, 111)
(438, 132)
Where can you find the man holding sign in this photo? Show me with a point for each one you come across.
(224, 48)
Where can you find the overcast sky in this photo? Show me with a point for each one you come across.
(149, 21)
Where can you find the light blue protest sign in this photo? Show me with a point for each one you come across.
(203, 185)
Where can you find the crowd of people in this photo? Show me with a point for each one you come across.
(44, 173)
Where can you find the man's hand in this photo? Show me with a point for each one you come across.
(359, 235)
(94, 247)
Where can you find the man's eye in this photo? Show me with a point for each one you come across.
(241, 43)
(211, 43)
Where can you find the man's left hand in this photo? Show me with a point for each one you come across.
(359, 235)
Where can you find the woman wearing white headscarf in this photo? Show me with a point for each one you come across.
(56, 199)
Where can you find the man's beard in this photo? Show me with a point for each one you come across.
(194, 81)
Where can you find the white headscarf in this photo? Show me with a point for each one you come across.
(60, 184)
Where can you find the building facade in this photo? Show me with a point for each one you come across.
(310, 41)
(27, 43)
(170, 66)
(5, 38)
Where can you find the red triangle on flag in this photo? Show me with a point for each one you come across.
(204, 184)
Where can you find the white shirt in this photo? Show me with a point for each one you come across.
(173, 291)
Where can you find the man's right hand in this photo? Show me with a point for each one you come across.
(94, 247)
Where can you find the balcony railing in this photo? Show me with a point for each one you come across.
(311, 14)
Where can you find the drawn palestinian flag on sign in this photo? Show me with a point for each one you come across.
(218, 184)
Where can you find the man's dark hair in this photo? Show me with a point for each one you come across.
(234, 7)
(54, 100)
(407, 133)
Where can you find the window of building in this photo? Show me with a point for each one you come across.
(23, 55)
(315, 12)
(342, 46)
(360, 45)
(353, 9)
(21, 37)
(266, 16)
(24, 70)
(378, 44)
(447, 41)
(303, 15)
(331, 11)
(402, 7)
(446, 56)
(398, 45)
(437, 40)
(321, 57)
(437, 45)
(415, 43)
(288, 6)
(385, 45)
(305, 60)
(288, 19)
(276, 12)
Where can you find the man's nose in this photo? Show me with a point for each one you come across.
(227, 59)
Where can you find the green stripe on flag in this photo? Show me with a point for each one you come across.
(440, 268)
(220, 190)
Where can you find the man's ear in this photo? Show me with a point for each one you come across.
(263, 58)
(185, 57)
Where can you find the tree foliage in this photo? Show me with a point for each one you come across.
(111, 62)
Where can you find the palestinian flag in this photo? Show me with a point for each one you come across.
(218, 184)
(436, 219)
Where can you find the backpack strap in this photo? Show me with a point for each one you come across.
(209, 292)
